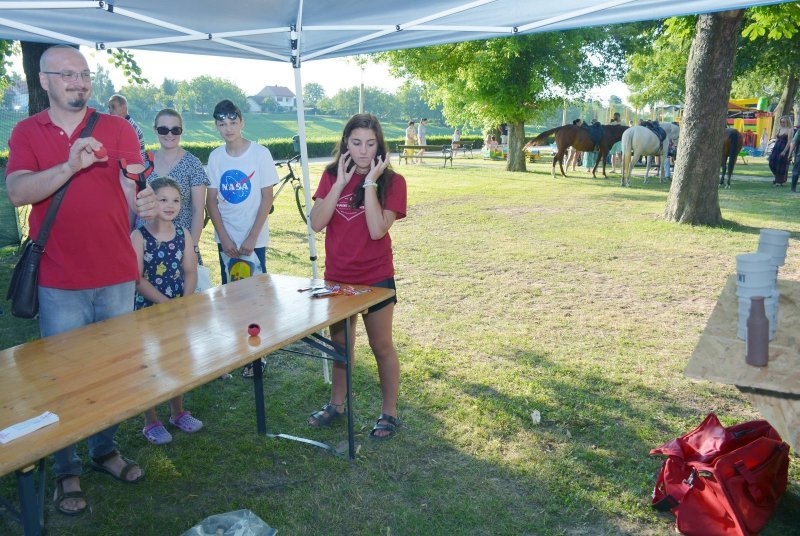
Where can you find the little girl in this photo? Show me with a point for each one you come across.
(168, 268)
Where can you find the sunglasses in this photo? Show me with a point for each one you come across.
(230, 115)
(175, 131)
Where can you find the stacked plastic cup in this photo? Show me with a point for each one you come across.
(755, 276)
(774, 242)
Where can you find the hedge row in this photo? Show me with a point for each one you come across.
(282, 148)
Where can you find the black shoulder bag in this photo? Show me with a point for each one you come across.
(23, 291)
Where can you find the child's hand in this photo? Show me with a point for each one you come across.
(247, 246)
(377, 168)
(229, 248)
(343, 176)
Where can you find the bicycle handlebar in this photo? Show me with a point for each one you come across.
(295, 158)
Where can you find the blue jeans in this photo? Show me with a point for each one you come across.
(261, 253)
(64, 310)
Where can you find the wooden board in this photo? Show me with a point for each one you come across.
(775, 389)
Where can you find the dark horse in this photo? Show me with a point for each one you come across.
(578, 137)
(731, 146)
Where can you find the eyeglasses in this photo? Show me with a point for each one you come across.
(175, 131)
(223, 116)
(72, 76)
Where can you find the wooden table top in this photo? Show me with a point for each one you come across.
(719, 355)
(101, 374)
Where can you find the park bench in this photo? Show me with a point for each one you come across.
(445, 152)
(464, 147)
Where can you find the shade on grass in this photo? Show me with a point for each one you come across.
(518, 292)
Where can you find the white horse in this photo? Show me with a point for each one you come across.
(641, 141)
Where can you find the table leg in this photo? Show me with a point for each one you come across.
(31, 514)
(351, 442)
(258, 386)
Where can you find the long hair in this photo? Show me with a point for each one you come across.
(384, 182)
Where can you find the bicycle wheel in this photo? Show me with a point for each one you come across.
(300, 200)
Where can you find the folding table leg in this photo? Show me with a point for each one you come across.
(31, 500)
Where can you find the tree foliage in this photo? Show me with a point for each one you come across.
(313, 93)
(201, 94)
(144, 100)
(102, 89)
(515, 78)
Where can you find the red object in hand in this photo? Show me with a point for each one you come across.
(101, 152)
(253, 329)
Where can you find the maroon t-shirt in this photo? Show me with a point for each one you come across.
(89, 244)
(351, 256)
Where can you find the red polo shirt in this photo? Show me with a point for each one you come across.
(89, 244)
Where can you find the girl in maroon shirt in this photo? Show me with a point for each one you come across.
(358, 199)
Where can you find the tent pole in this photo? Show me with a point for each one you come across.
(301, 131)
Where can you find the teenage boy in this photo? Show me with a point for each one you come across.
(239, 198)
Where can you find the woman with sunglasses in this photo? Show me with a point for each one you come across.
(187, 170)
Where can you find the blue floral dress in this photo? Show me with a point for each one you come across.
(162, 266)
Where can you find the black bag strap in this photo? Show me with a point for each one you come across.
(44, 232)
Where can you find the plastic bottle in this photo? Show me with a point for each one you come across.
(757, 341)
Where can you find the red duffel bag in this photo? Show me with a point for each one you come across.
(722, 481)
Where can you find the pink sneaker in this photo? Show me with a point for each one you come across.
(157, 434)
(186, 422)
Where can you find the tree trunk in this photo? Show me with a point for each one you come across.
(786, 101)
(693, 196)
(37, 97)
(516, 140)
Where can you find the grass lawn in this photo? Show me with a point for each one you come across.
(518, 292)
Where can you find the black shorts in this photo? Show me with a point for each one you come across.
(386, 283)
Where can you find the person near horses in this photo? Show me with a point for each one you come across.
(616, 149)
(574, 155)
(88, 271)
(779, 158)
(358, 200)
(794, 152)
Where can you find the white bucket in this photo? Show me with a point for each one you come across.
(749, 292)
(751, 262)
(774, 243)
(756, 278)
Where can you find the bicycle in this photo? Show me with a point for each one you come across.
(297, 186)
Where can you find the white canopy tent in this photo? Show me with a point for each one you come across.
(295, 31)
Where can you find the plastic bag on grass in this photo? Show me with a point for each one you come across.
(237, 523)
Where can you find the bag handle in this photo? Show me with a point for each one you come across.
(44, 232)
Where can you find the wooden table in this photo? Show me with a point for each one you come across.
(101, 374)
(775, 389)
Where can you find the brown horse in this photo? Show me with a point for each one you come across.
(731, 146)
(578, 137)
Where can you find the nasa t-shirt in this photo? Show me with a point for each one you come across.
(238, 181)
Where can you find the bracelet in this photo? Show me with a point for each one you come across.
(370, 183)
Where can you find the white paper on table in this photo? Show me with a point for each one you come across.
(15, 431)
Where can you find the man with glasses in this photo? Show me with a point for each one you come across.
(239, 198)
(88, 270)
(118, 105)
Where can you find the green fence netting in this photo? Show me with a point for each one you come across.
(9, 232)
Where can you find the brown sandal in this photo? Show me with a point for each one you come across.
(326, 416)
(98, 465)
(62, 495)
